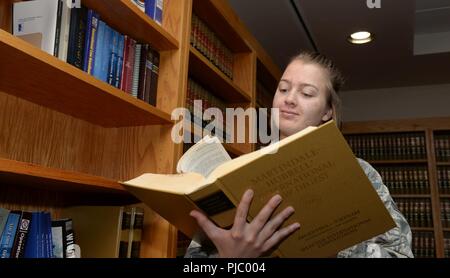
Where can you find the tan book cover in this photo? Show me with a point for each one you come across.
(314, 171)
(97, 229)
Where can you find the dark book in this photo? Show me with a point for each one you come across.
(77, 36)
(18, 249)
(154, 78)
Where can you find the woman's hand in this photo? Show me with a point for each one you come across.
(253, 239)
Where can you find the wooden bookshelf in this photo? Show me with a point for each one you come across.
(202, 69)
(69, 138)
(125, 17)
(428, 127)
(67, 89)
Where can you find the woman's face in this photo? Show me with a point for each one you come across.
(301, 97)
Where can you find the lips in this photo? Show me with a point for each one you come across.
(289, 113)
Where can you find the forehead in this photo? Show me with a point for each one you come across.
(299, 72)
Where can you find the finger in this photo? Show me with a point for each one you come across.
(280, 235)
(210, 229)
(240, 219)
(272, 226)
(260, 220)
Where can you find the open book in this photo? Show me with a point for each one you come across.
(313, 170)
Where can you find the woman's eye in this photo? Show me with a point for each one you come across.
(283, 90)
(306, 94)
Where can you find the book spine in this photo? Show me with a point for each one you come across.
(148, 75)
(3, 218)
(120, 58)
(58, 28)
(89, 17)
(136, 70)
(31, 246)
(113, 57)
(150, 6)
(9, 234)
(142, 72)
(20, 241)
(154, 78)
(138, 226)
(70, 240)
(125, 232)
(159, 11)
(73, 30)
(99, 49)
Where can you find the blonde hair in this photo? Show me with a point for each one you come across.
(336, 80)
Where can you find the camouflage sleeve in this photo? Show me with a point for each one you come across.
(201, 247)
(395, 243)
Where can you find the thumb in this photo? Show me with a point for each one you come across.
(210, 229)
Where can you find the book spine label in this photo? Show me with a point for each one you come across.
(20, 241)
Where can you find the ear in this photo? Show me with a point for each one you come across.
(328, 114)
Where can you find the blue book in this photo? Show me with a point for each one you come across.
(32, 246)
(99, 43)
(3, 218)
(119, 67)
(154, 9)
(106, 53)
(9, 233)
(48, 235)
(89, 55)
(113, 57)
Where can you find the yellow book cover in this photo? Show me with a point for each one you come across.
(313, 170)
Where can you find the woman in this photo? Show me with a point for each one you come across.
(306, 96)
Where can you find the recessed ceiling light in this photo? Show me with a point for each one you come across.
(360, 37)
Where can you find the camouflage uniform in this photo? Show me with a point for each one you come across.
(396, 243)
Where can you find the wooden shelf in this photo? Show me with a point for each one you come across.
(444, 195)
(219, 22)
(30, 73)
(19, 173)
(446, 229)
(125, 17)
(422, 229)
(203, 70)
(409, 161)
(442, 163)
(410, 195)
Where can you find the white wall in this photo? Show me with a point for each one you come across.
(397, 103)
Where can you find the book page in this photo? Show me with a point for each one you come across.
(203, 157)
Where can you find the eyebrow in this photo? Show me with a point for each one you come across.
(302, 84)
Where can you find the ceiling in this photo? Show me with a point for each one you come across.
(411, 45)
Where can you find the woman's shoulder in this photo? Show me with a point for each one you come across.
(372, 174)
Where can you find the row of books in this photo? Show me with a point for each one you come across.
(388, 146)
(79, 37)
(423, 245)
(195, 91)
(417, 211)
(153, 8)
(444, 179)
(447, 247)
(35, 235)
(405, 179)
(445, 213)
(442, 146)
(98, 231)
(208, 43)
(263, 96)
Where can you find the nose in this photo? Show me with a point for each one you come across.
(290, 98)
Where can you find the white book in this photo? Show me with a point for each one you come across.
(140, 4)
(36, 23)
